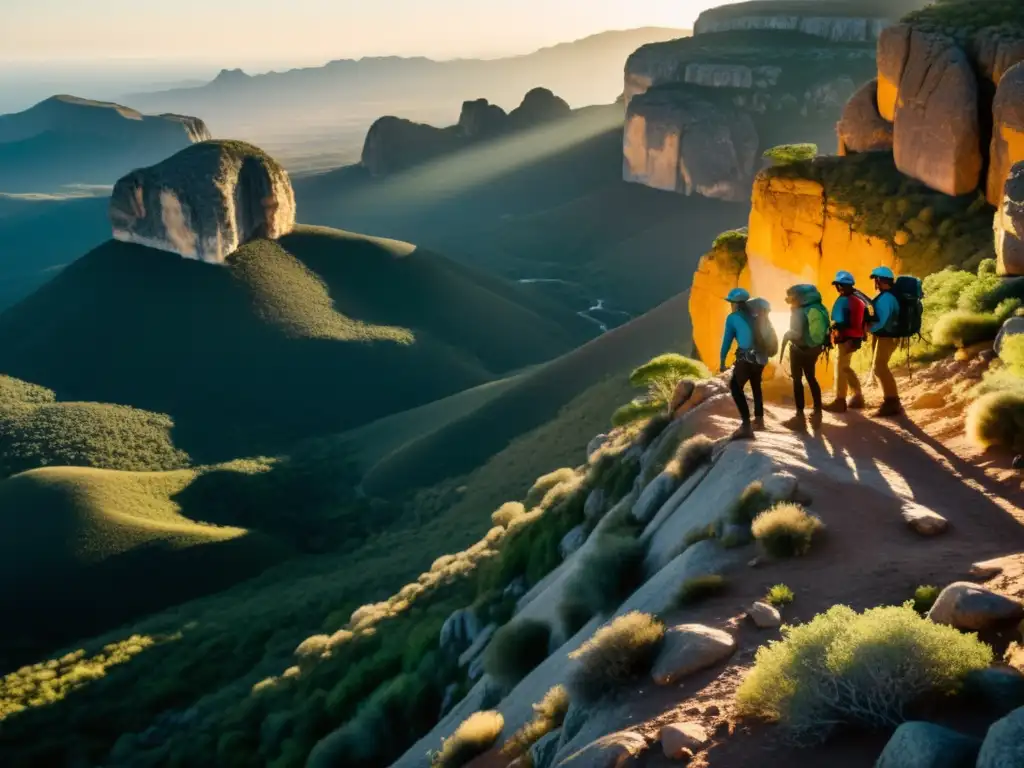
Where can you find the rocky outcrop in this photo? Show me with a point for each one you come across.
(926, 745)
(862, 128)
(937, 134)
(480, 119)
(718, 272)
(810, 20)
(678, 143)
(1007, 147)
(970, 607)
(204, 202)
(539, 106)
(1009, 224)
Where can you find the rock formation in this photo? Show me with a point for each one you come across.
(1007, 146)
(679, 143)
(480, 118)
(862, 128)
(1009, 224)
(814, 18)
(205, 201)
(539, 106)
(719, 271)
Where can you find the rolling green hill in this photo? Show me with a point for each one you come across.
(318, 333)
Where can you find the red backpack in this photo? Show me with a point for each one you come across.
(858, 304)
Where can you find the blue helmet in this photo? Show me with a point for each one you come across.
(883, 273)
(737, 296)
(844, 278)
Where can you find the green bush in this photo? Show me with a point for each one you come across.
(779, 595)
(693, 591)
(751, 503)
(617, 654)
(659, 377)
(638, 410)
(606, 576)
(962, 328)
(545, 483)
(731, 245)
(548, 714)
(690, 456)
(786, 530)
(787, 154)
(849, 668)
(475, 736)
(516, 650)
(996, 420)
(925, 597)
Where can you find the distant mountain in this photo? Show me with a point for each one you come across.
(302, 112)
(66, 140)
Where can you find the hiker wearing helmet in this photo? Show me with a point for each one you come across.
(807, 336)
(885, 330)
(850, 317)
(746, 327)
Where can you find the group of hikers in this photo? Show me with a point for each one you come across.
(893, 315)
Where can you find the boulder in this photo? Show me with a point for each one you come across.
(677, 142)
(996, 49)
(481, 119)
(689, 648)
(459, 630)
(781, 486)
(1012, 327)
(970, 607)
(937, 134)
(543, 751)
(702, 392)
(654, 495)
(861, 128)
(572, 541)
(764, 615)
(205, 201)
(478, 646)
(1004, 743)
(595, 505)
(999, 690)
(923, 520)
(986, 570)
(539, 106)
(1009, 225)
(615, 750)
(926, 745)
(1007, 147)
(684, 391)
(679, 740)
(891, 53)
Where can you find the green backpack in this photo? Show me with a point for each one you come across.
(818, 322)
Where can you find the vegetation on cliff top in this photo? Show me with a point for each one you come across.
(965, 17)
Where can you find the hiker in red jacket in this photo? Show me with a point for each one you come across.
(850, 317)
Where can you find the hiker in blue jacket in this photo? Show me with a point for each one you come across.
(739, 328)
(884, 329)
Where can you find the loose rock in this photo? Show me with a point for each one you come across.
(764, 615)
(926, 745)
(923, 520)
(689, 648)
(997, 689)
(679, 740)
(971, 607)
(1004, 744)
(615, 750)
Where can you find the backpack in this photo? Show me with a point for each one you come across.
(909, 293)
(818, 322)
(766, 341)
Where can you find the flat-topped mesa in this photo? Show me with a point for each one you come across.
(811, 18)
(204, 202)
(677, 142)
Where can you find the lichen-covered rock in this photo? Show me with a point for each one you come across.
(1004, 743)
(926, 745)
(973, 608)
(862, 128)
(481, 119)
(539, 106)
(1007, 132)
(937, 135)
(690, 648)
(1009, 224)
(677, 142)
(205, 201)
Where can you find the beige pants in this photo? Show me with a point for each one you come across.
(884, 349)
(846, 377)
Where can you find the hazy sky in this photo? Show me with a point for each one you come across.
(250, 32)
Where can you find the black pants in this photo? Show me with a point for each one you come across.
(802, 362)
(742, 372)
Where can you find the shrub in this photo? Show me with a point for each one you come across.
(925, 597)
(548, 714)
(616, 655)
(638, 410)
(475, 736)
(691, 455)
(545, 483)
(1012, 354)
(507, 512)
(786, 530)
(700, 588)
(787, 154)
(779, 595)
(751, 503)
(996, 420)
(661, 375)
(962, 329)
(653, 428)
(846, 668)
(608, 575)
(516, 650)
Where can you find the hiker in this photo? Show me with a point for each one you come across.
(807, 336)
(885, 329)
(850, 315)
(748, 326)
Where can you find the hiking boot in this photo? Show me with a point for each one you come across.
(798, 423)
(891, 407)
(745, 432)
(836, 406)
(816, 418)
(856, 403)
(759, 425)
